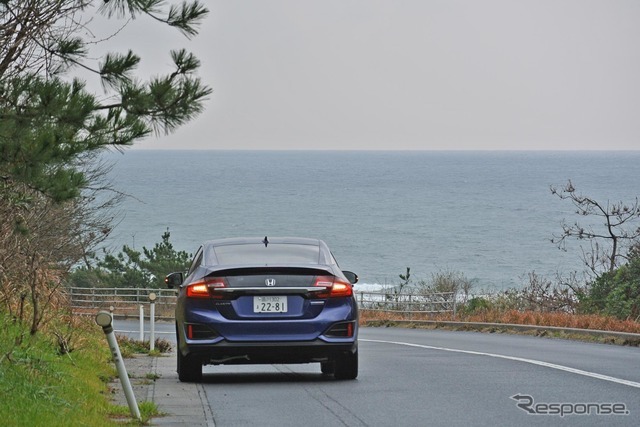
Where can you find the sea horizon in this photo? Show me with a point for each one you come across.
(486, 214)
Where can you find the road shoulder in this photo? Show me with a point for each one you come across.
(154, 380)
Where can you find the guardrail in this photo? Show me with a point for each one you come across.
(121, 301)
(628, 338)
(125, 301)
(392, 302)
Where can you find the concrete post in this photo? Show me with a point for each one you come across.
(152, 321)
(104, 319)
(141, 323)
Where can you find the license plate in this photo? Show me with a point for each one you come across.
(270, 304)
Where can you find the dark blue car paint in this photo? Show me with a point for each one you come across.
(297, 336)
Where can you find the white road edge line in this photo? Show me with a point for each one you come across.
(517, 359)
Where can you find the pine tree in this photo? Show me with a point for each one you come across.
(52, 128)
(50, 122)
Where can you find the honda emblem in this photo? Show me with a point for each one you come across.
(270, 282)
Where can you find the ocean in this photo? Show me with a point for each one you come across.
(488, 214)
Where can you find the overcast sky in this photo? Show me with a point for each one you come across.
(409, 74)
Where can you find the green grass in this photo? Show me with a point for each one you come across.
(40, 387)
(147, 411)
(131, 346)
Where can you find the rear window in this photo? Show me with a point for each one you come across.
(273, 254)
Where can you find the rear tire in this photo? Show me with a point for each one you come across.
(346, 366)
(328, 368)
(189, 369)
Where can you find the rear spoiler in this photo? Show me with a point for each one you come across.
(242, 270)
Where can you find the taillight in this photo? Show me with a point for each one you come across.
(336, 288)
(205, 288)
(197, 290)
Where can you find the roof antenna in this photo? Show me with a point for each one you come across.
(265, 241)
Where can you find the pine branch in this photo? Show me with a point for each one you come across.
(116, 69)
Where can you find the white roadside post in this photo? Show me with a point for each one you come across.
(152, 321)
(104, 320)
(141, 323)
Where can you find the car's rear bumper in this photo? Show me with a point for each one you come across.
(225, 352)
(268, 327)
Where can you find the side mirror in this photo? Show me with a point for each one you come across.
(173, 279)
(351, 277)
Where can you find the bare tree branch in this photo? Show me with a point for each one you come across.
(608, 248)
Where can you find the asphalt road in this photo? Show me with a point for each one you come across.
(424, 377)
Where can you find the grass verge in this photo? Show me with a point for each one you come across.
(40, 387)
(514, 317)
(562, 320)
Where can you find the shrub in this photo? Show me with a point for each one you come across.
(476, 305)
(616, 293)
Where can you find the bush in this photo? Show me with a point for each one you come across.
(476, 305)
(616, 293)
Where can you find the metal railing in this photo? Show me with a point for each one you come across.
(121, 301)
(125, 301)
(407, 303)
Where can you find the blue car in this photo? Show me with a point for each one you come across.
(263, 301)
